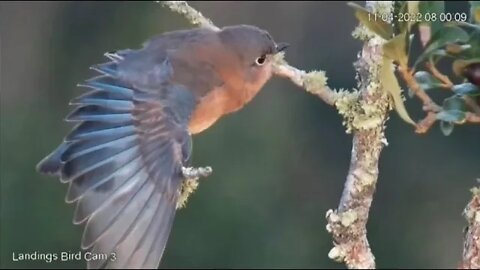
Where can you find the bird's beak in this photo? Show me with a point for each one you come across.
(281, 47)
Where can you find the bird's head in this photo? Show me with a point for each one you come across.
(254, 48)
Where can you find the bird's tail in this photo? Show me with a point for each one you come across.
(52, 163)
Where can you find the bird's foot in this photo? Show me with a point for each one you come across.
(191, 176)
(196, 173)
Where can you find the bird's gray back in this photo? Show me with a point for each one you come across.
(169, 58)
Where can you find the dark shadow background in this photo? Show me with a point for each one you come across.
(279, 164)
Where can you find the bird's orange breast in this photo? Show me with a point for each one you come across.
(224, 100)
(212, 107)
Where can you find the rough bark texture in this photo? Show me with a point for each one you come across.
(471, 249)
(365, 113)
(348, 223)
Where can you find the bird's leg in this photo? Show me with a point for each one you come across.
(191, 175)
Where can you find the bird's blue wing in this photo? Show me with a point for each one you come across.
(123, 164)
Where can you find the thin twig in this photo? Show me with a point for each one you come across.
(426, 123)
(472, 118)
(430, 106)
(191, 14)
(314, 81)
(472, 104)
(348, 223)
(428, 103)
(446, 82)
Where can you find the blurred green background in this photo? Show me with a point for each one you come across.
(279, 164)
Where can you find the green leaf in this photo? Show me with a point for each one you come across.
(448, 35)
(474, 42)
(391, 86)
(475, 11)
(372, 22)
(466, 89)
(446, 127)
(466, 24)
(396, 49)
(454, 103)
(453, 110)
(451, 116)
(427, 81)
(472, 47)
(430, 7)
(453, 51)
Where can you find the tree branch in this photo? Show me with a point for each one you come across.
(365, 113)
(470, 102)
(448, 84)
(471, 249)
(314, 82)
(348, 223)
(429, 105)
(191, 176)
(192, 15)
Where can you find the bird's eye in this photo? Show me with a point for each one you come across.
(261, 60)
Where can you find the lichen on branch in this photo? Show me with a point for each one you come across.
(365, 112)
(191, 14)
(471, 249)
(190, 183)
(364, 115)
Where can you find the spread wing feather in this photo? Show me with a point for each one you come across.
(122, 162)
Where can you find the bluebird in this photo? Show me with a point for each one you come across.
(123, 159)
